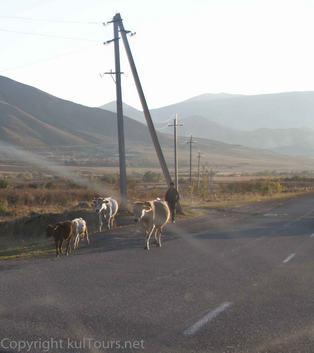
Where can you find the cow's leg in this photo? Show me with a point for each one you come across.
(108, 223)
(68, 247)
(57, 247)
(87, 236)
(159, 237)
(60, 246)
(155, 237)
(149, 233)
(76, 242)
(100, 222)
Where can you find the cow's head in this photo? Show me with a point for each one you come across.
(49, 231)
(100, 204)
(139, 209)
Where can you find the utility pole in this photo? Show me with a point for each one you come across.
(122, 165)
(148, 118)
(198, 167)
(175, 125)
(191, 143)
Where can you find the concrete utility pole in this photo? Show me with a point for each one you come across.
(122, 165)
(191, 143)
(198, 167)
(175, 125)
(148, 118)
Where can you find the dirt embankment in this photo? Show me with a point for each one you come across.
(35, 225)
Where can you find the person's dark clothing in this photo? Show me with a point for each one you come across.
(172, 197)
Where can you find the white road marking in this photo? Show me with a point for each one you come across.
(206, 319)
(274, 214)
(288, 258)
(312, 235)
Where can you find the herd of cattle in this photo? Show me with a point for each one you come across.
(152, 215)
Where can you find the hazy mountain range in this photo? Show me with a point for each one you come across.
(282, 122)
(34, 120)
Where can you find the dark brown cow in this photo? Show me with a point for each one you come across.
(61, 232)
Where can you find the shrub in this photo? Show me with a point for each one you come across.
(4, 183)
(110, 178)
(152, 177)
(3, 206)
(51, 186)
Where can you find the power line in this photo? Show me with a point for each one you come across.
(54, 57)
(54, 21)
(162, 122)
(47, 35)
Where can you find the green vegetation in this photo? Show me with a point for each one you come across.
(4, 183)
(152, 177)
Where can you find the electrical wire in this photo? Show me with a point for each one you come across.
(50, 36)
(54, 57)
(162, 122)
(54, 21)
(161, 128)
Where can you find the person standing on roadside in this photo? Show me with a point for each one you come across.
(172, 197)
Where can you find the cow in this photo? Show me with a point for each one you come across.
(79, 231)
(152, 215)
(107, 208)
(61, 232)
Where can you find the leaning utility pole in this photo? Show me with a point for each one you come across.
(191, 143)
(175, 125)
(148, 118)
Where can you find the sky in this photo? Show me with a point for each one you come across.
(181, 49)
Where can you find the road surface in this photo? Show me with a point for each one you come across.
(239, 279)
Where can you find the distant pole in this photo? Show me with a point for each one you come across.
(175, 125)
(198, 167)
(122, 164)
(191, 143)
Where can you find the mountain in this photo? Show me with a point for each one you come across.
(34, 120)
(30, 118)
(279, 122)
(272, 111)
(286, 141)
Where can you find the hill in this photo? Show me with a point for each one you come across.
(279, 122)
(30, 117)
(34, 120)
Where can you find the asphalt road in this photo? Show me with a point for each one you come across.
(234, 280)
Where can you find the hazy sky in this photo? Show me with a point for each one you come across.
(182, 48)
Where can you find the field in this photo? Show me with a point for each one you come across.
(36, 190)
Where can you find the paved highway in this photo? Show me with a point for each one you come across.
(233, 280)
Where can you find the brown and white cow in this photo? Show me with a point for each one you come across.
(152, 215)
(79, 231)
(61, 232)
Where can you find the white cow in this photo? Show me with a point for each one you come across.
(79, 230)
(152, 215)
(107, 209)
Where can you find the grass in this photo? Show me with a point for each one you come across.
(25, 252)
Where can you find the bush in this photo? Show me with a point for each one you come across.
(51, 186)
(4, 183)
(152, 177)
(3, 206)
(110, 178)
